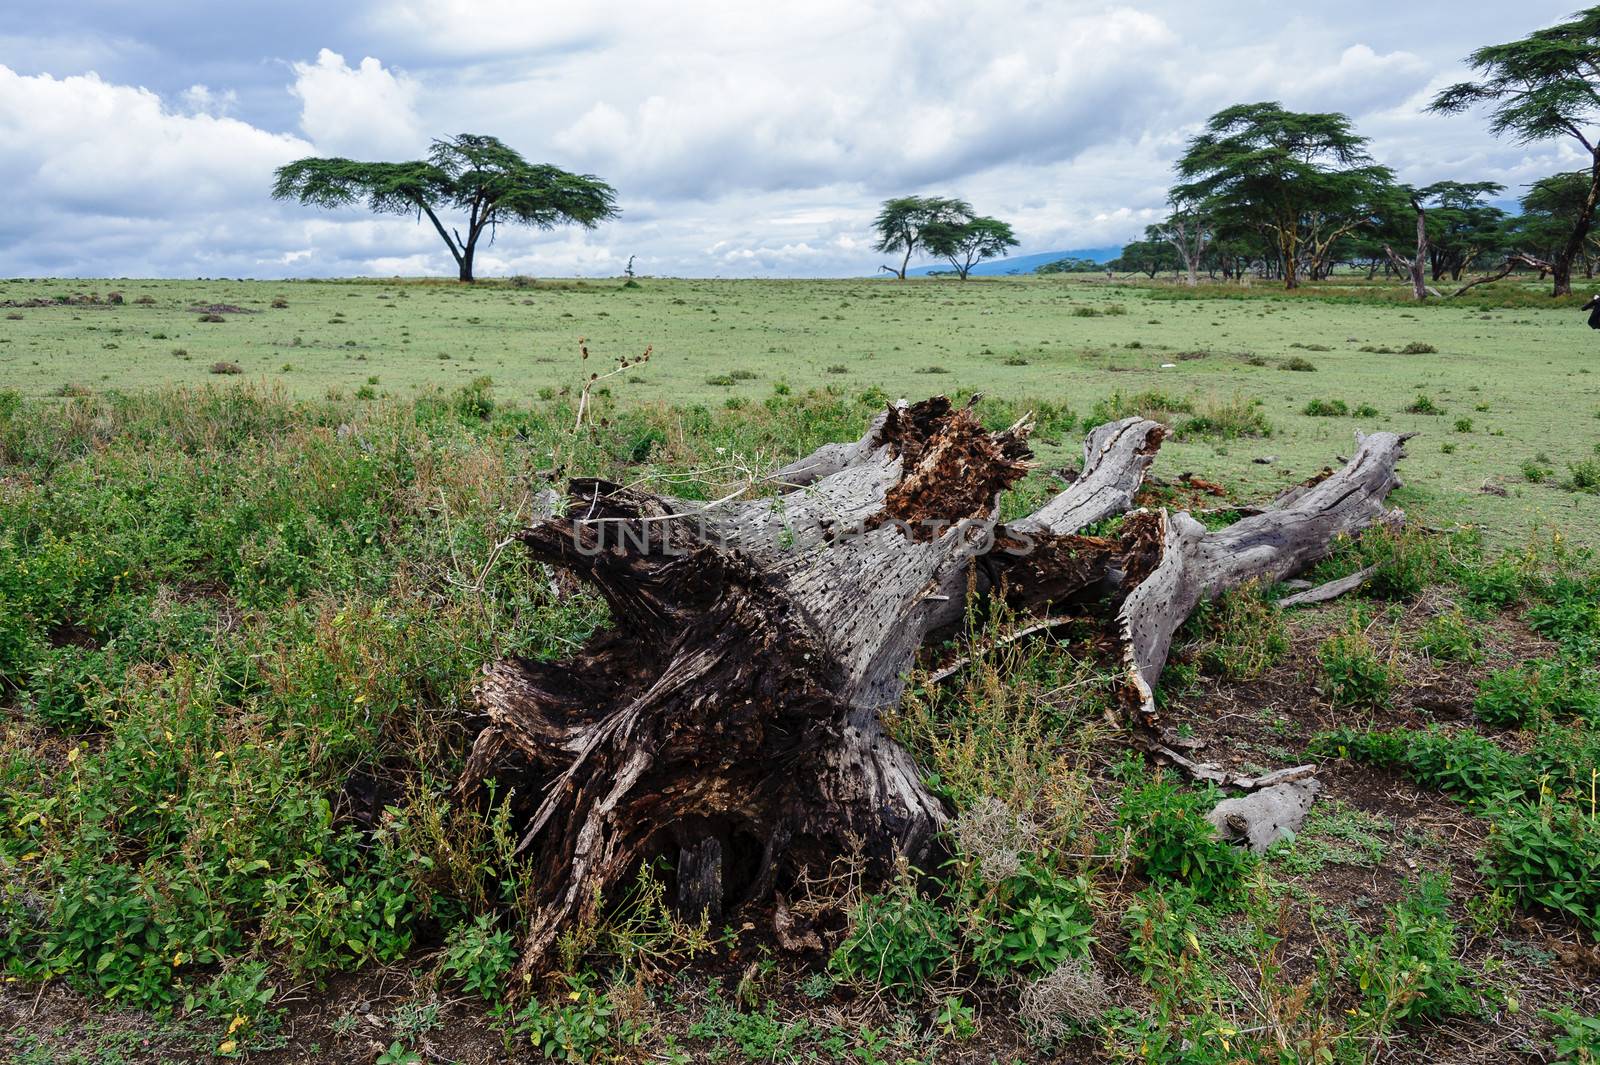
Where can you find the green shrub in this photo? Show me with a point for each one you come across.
(1298, 364)
(1500, 584)
(1459, 762)
(1423, 404)
(1170, 840)
(1450, 637)
(583, 1026)
(1030, 922)
(1547, 855)
(1508, 698)
(1569, 613)
(1417, 347)
(1226, 420)
(1354, 672)
(1326, 408)
(1577, 1037)
(1537, 691)
(1156, 406)
(478, 956)
(1411, 969)
(898, 940)
(1584, 476)
(1243, 634)
(473, 401)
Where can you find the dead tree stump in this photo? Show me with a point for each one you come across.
(728, 720)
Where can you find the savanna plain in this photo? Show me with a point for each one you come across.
(253, 556)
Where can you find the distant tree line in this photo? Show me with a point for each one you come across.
(1292, 196)
(1260, 190)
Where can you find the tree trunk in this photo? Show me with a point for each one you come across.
(466, 265)
(1415, 266)
(1561, 267)
(728, 721)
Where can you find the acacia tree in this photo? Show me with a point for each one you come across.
(966, 244)
(472, 173)
(1552, 210)
(902, 224)
(1411, 268)
(1148, 256)
(1462, 228)
(1543, 87)
(1303, 181)
(1190, 230)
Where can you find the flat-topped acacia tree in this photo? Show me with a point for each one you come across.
(472, 173)
(1544, 87)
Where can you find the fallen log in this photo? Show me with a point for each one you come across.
(728, 720)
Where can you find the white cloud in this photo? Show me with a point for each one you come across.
(200, 99)
(80, 145)
(362, 111)
(751, 139)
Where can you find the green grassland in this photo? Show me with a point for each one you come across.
(241, 616)
(1519, 368)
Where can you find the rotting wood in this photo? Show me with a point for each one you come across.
(728, 721)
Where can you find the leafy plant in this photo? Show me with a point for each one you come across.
(1411, 969)
(1169, 839)
(478, 955)
(584, 1026)
(1577, 1037)
(1354, 672)
(1450, 637)
(1030, 922)
(898, 940)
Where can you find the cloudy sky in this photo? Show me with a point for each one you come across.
(744, 139)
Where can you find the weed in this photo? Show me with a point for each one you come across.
(1326, 408)
(1584, 476)
(1449, 637)
(1243, 634)
(898, 940)
(1354, 671)
(585, 1025)
(1411, 969)
(1577, 1037)
(478, 956)
(1423, 404)
(1165, 831)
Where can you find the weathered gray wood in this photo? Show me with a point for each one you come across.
(831, 458)
(734, 710)
(729, 721)
(1196, 565)
(1116, 457)
(1264, 817)
(1333, 589)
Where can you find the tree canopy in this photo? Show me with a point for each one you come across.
(471, 173)
(1303, 181)
(1543, 87)
(902, 223)
(964, 244)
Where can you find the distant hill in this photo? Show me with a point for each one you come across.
(1021, 264)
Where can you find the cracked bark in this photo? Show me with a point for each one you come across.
(729, 719)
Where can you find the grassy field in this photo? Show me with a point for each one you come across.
(1515, 388)
(241, 616)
